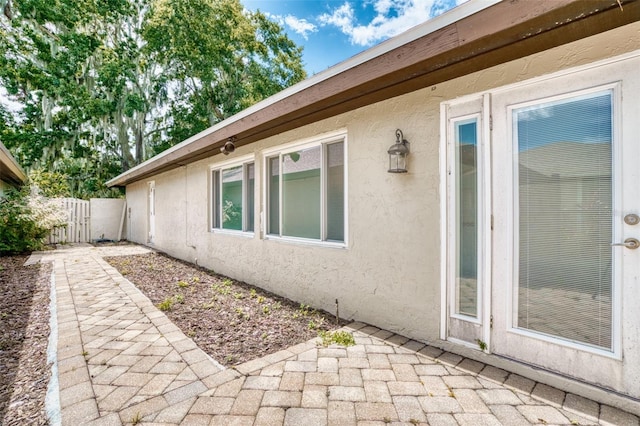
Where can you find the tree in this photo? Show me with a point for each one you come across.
(220, 59)
(101, 85)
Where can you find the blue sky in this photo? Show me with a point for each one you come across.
(334, 30)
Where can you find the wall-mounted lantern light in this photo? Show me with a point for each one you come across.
(398, 154)
(229, 146)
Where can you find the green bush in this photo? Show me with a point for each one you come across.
(26, 218)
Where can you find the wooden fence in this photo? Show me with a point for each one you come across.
(77, 229)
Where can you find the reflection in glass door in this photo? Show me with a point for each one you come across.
(564, 208)
(464, 223)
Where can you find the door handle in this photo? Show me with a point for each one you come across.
(630, 243)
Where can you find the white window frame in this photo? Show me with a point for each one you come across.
(281, 150)
(476, 106)
(615, 88)
(244, 162)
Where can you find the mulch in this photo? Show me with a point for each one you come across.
(231, 321)
(24, 333)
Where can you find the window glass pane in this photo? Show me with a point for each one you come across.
(466, 164)
(250, 196)
(232, 198)
(335, 191)
(274, 195)
(301, 193)
(215, 199)
(565, 205)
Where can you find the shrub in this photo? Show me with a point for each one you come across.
(26, 218)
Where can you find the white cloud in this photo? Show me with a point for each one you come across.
(343, 18)
(297, 25)
(392, 17)
(300, 26)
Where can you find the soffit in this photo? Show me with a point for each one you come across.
(10, 170)
(498, 34)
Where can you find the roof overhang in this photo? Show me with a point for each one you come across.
(10, 170)
(471, 37)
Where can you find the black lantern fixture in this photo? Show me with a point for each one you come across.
(229, 146)
(398, 154)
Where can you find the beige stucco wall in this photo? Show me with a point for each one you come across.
(106, 218)
(389, 275)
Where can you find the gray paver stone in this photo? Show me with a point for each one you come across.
(613, 416)
(350, 377)
(542, 414)
(519, 383)
(176, 412)
(438, 419)
(440, 404)
(430, 370)
(75, 394)
(197, 420)
(281, 399)
(407, 388)
(328, 365)
(305, 416)
(346, 393)
(509, 415)
(474, 419)
(492, 373)
(185, 392)
(582, 406)
(326, 379)
(117, 399)
(471, 366)
(268, 416)
(548, 394)
(470, 401)
(262, 382)
(211, 405)
(341, 413)
(80, 412)
(408, 408)
(375, 411)
(247, 402)
(292, 381)
(464, 382)
(378, 374)
(232, 421)
(405, 373)
(231, 388)
(377, 391)
(499, 397)
(314, 396)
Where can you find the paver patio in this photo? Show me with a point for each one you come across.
(121, 361)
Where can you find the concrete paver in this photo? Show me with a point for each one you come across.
(121, 361)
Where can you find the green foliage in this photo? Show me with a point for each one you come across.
(481, 344)
(91, 79)
(338, 337)
(52, 184)
(166, 304)
(26, 218)
(183, 284)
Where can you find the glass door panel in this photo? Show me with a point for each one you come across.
(466, 164)
(564, 158)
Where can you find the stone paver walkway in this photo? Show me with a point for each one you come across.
(121, 361)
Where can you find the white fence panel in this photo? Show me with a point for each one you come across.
(77, 229)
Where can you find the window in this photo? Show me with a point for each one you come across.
(232, 194)
(306, 191)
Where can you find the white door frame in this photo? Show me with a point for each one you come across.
(613, 369)
(151, 211)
